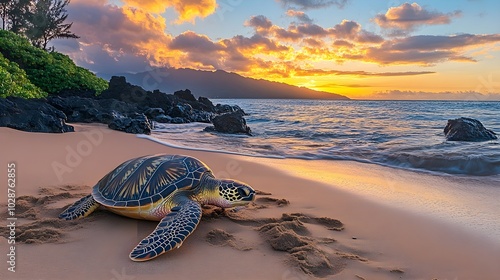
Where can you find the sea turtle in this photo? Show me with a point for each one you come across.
(165, 188)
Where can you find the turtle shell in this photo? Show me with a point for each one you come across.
(145, 180)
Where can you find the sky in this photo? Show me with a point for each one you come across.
(362, 49)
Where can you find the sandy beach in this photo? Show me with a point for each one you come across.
(303, 224)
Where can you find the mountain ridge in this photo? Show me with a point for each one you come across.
(219, 84)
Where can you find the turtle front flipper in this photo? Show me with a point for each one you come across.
(81, 208)
(172, 230)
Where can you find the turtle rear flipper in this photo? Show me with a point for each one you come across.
(172, 230)
(81, 208)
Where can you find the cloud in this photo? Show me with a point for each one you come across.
(424, 58)
(118, 37)
(346, 29)
(191, 41)
(364, 36)
(443, 95)
(295, 32)
(300, 15)
(435, 42)
(322, 72)
(260, 23)
(343, 43)
(130, 39)
(313, 4)
(313, 42)
(310, 30)
(198, 49)
(256, 42)
(328, 86)
(188, 10)
(428, 49)
(405, 18)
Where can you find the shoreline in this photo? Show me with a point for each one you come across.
(388, 185)
(387, 238)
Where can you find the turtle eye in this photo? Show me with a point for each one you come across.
(243, 192)
(247, 191)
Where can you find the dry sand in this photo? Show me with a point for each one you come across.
(296, 229)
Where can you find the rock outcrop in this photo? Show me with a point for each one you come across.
(467, 129)
(123, 106)
(33, 115)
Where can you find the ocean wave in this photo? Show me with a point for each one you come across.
(482, 165)
(405, 135)
(449, 164)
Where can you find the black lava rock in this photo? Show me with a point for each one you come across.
(33, 115)
(185, 94)
(206, 104)
(224, 108)
(181, 111)
(233, 123)
(135, 123)
(119, 89)
(154, 112)
(202, 116)
(118, 106)
(466, 129)
(86, 110)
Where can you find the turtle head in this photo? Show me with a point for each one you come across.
(234, 193)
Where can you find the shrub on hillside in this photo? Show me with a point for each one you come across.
(13, 81)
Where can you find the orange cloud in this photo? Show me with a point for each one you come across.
(188, 10)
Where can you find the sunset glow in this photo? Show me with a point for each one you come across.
(361, 49)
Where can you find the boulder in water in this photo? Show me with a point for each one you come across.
(467, 129)
(230, 123)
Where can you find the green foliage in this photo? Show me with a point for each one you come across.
(13, 81)
(52, 72)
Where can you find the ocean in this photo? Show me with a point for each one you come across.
(394, 151)
(400, 134)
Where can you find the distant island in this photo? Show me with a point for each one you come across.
(219, 84)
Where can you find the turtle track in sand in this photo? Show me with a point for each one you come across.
(288, 235)
(37, 216)
(312, 255)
